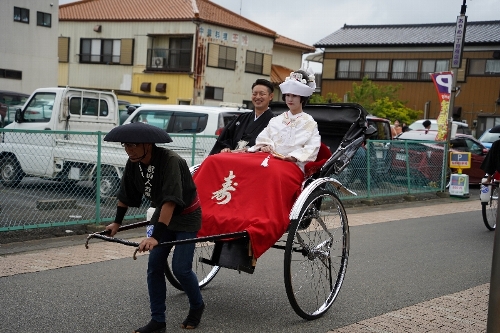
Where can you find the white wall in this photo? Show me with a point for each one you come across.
(102, 76)
(29, 48)
(236, 83)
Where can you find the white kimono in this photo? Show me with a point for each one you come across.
(291, 135)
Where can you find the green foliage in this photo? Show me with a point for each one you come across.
(329, 98)
(380, 101)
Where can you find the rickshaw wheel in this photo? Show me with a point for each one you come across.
(316, 254)
(204, 272)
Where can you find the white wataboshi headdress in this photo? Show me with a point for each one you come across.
(297, 84)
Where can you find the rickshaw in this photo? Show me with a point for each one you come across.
(316, 240)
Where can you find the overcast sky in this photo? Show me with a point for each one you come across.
(310, 21)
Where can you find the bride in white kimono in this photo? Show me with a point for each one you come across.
(292, 136)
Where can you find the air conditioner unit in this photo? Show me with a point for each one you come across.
(157, 62)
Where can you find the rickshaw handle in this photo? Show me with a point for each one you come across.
(103, 235)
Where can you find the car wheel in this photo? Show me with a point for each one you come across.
(11, 173)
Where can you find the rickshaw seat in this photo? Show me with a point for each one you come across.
(323, 155)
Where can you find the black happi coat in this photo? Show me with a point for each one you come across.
(167, 178)
(244, 127)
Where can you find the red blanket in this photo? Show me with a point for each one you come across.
(237, 193)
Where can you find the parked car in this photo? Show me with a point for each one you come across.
(202, 120)
(123, 109)
(182, 121)
(462, 128)
(489, 136)
(426, 159)
(9, 101)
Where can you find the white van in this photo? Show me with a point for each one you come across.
(202, 120)
(193, 128)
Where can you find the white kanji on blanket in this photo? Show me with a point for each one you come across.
(224, 193)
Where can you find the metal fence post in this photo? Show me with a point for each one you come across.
(193, 149)
(407, 156)
(98, 180)
(368, 169)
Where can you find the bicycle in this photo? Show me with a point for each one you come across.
(489, 203)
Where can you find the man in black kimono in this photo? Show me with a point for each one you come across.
(242, 131)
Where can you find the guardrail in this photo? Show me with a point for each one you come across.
(63, 178)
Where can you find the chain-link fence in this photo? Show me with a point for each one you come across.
(386, 168)
(62, 178)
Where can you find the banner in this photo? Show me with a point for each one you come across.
(443, 82)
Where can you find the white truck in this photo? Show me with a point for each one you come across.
(64, 152)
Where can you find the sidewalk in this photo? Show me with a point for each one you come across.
(463, 311)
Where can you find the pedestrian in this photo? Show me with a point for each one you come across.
(491, 162)
(242, 131)
(396, 128)
(292, 136)
(164, 178)
(427, 125)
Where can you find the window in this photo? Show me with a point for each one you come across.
(11, 74)
(404, 69)
(90, 107)
(221, 56)
(101, 51)
(484, 67)
(39, 108)
(21, 15)
(349, 69)
(377, 69)
(180, 53)
(254, 63)
(214, 93)
(432, 66)
(189, 122)
(43, 19)
(227, 57)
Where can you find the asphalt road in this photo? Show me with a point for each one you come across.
(391, 265)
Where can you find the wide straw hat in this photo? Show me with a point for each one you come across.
(138, 133)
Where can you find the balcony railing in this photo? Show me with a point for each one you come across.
(169, 60)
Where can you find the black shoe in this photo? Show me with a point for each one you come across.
(193, 318)
(152, 327)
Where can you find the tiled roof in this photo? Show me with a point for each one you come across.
(158, 10)
(279, 73)
(282, 40)
(485, 32)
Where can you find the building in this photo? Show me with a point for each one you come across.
(169, 51)
(28, 52)
(406, 54)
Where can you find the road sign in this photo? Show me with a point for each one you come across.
(459, 41)
(460, 160)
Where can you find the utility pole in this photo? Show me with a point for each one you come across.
(456, 63)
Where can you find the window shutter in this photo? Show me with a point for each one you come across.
(213, 55)
(329, 68)
(266, 67)
(63, 49)
(127, 52)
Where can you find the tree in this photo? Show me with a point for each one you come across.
(329, 98)
(380, 101)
